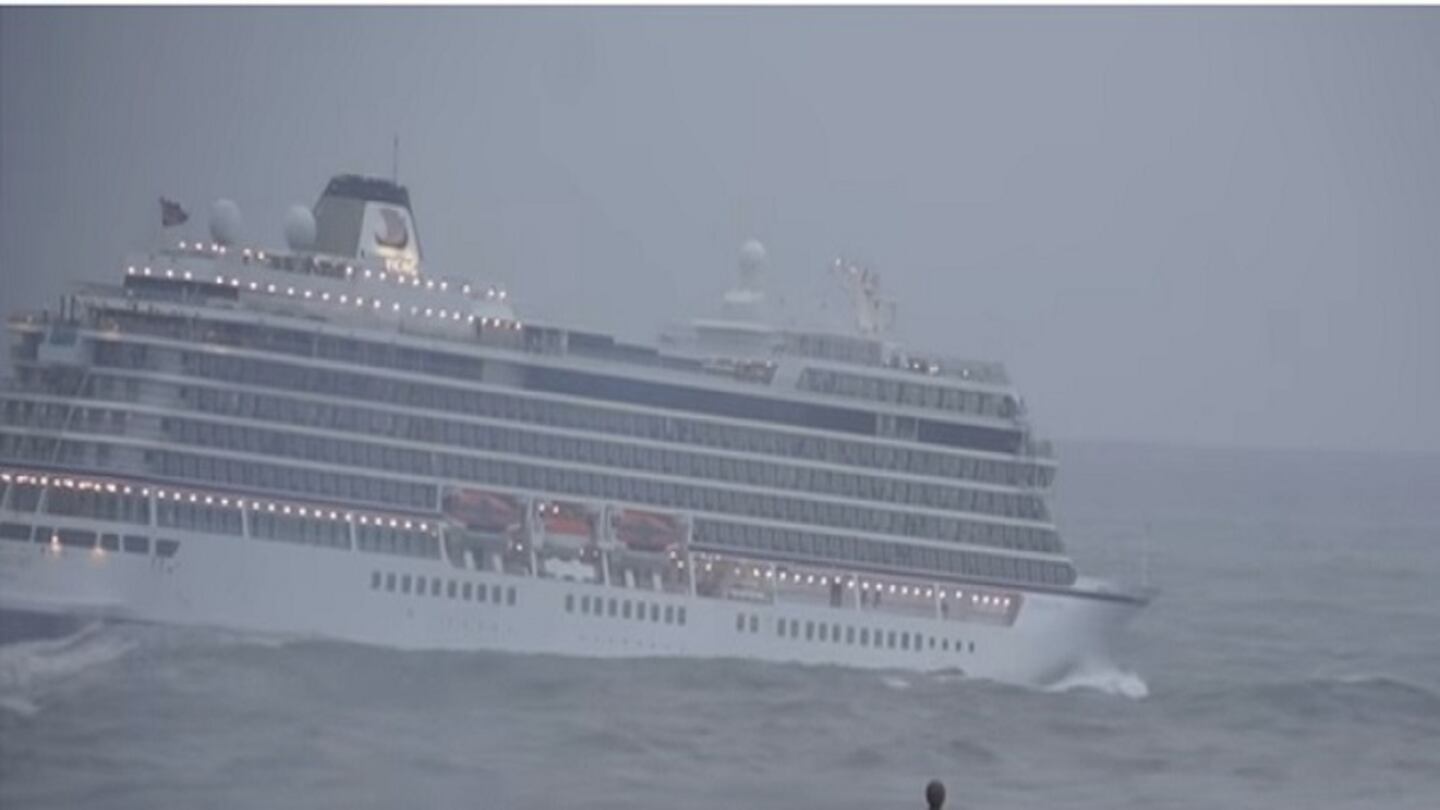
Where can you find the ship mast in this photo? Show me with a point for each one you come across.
(874, 314)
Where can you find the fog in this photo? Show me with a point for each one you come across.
(1189, 226)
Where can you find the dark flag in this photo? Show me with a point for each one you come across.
(171, 213)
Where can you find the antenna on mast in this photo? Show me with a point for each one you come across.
(395, 159)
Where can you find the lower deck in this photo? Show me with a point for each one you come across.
(377, 598)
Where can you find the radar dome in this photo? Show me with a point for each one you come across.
(225, 224)
(299, 228)
(752, 255)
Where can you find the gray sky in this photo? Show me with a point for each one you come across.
(1200, 226)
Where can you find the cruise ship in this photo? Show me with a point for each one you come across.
(328, 441)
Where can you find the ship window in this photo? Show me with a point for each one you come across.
(931, 642)
(14, 531)
(754, 624)
(76, 538)
(780, 628)
(374, 580)
(611, 608)
(390, 582)
(890, 639)
(864, 637)
(137, 544)
(585, 604)
(450, 587)
(110, 542)
(654, 613)
(480, 592)
(739, 622)
(510, 595)
(466, 592)
(167, 548)
(434, 586)
(625, 609)
(945, 645)
(904, 641)
(849, 635)
(824, 629)
(972, 647)
(835, 633)
(405, 584)
(640, 611)
(681, 615)
(569, 603)
(809, 630)
(669, 614)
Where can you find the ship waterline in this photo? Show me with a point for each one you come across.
(301, 592)
(333, 444)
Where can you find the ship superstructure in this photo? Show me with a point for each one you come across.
(329, 441)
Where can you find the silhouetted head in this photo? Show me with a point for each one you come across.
(935, 794)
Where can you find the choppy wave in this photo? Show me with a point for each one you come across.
(1104, 676)
(1353, 697)
(29, 668)
(25, 664)
(14, 704)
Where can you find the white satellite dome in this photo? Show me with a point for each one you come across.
(752, 255)
(225, 222)
(299, 228)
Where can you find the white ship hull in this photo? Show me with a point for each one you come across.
(309, 592)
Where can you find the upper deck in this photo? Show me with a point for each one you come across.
(360, 291)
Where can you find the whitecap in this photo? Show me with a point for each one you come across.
(1102, 675)
(28, 663)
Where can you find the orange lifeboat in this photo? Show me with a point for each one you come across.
(564, 518)
(484, 511)
(648, 531)
(565, 524)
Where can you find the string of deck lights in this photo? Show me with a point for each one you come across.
(345, 299)
(199, 497)
(852, 582)
(403, 279)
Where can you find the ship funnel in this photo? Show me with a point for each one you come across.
(368, 218)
